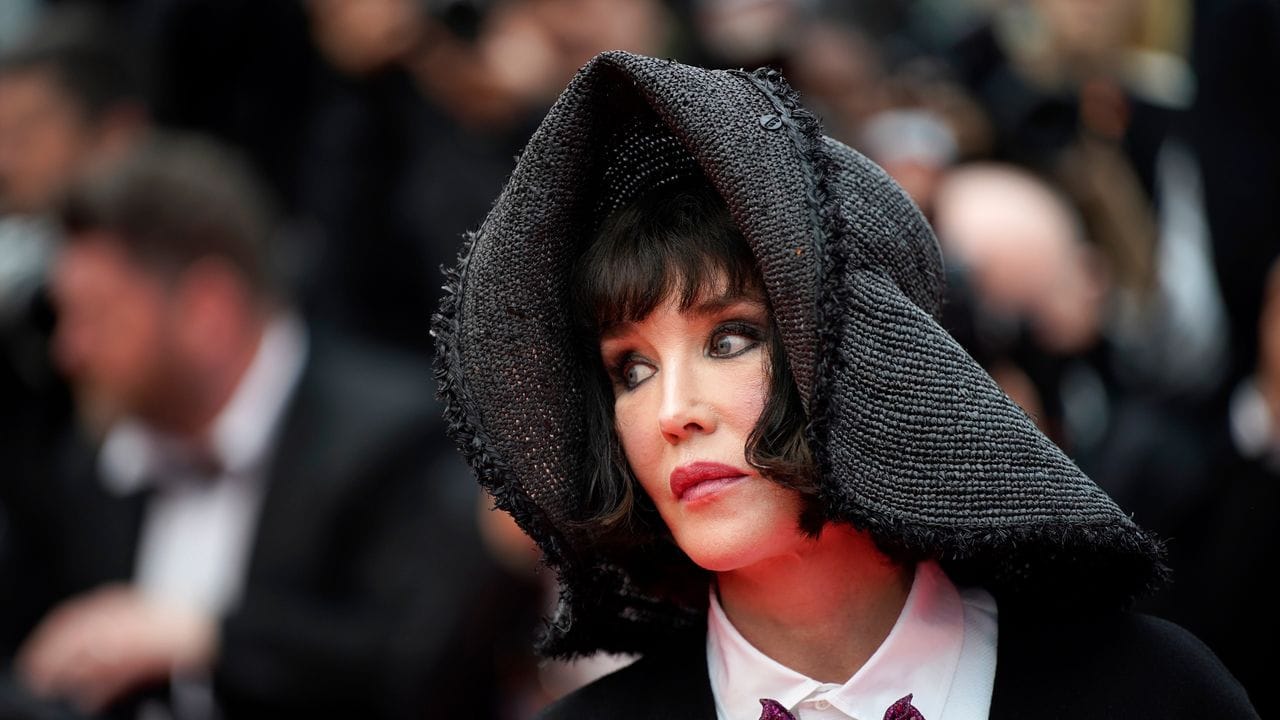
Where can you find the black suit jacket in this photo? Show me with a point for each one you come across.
(367, 592)
(1123, 666)
(1224, 550)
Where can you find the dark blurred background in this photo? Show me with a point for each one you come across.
(1104, 177)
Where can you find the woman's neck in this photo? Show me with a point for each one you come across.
(821, 612)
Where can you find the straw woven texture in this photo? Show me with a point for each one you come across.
(914, 439)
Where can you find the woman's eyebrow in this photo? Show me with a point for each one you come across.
(717, 305)
(612, 331)
(701, 308)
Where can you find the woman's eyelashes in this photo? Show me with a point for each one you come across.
(733, 339)
(629, 369)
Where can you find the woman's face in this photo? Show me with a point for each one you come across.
(689, 386)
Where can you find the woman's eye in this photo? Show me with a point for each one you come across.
(728, 344)
(633, 373)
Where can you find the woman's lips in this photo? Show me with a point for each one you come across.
(698, 479)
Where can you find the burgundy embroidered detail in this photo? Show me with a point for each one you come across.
(903, 710)
(773, 710)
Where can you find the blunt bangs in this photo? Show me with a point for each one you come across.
(676, 242)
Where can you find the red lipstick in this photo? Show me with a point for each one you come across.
(686, 477)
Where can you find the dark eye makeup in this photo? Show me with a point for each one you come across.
(733, 338)
(730, 339)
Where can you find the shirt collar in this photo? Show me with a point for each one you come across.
(240, 434)
(244, 429)
(920, 656)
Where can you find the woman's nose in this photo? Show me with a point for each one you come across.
(684, 411)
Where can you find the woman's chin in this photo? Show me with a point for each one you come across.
(733, 551)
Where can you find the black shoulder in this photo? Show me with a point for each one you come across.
(608, 696)
(655, 687)
(359, 397)
(352, 370)
(1110, 665)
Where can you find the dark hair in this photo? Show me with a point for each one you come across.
(86, 55)
(175, 200)
(676, 242)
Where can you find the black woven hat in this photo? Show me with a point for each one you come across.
(914, 440)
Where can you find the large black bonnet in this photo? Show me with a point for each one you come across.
(915, 441)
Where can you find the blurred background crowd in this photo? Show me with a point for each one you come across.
(224, 486)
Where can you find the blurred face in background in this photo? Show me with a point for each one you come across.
(1027, 253)
(1090, 29)
(746, 31)
(579, 29)
(114, 337)
(44, 138)
(361, 36)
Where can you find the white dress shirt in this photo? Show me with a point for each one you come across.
(197, 531)
(941, 650)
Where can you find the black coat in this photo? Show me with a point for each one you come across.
(1122, 666)
(1224, 548)
(367, 593)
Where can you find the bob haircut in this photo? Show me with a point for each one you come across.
(678, 241)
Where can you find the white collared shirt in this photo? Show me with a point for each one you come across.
(196, 532)
(941, 650)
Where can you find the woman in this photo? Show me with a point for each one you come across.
(693, 352)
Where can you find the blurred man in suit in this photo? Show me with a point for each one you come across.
(262, 521)
(70, 101)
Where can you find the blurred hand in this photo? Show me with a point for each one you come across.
(96, 647)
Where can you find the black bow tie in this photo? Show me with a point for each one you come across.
(900, 710)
